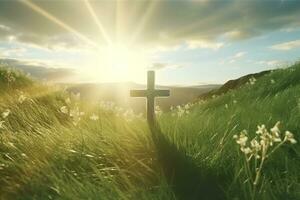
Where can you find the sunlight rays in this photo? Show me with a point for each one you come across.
(120, 21)
(115, 59)
(55, 20)
(145, 18)
(97, 21)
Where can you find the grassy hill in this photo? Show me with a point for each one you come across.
(55, 146)
(233, 84)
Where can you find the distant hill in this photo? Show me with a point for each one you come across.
(232, 84)
(119, 94)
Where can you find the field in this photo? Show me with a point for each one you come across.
(53, 145)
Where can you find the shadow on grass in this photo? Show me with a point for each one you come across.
(188, 181)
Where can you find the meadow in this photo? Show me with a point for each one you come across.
(53, 145)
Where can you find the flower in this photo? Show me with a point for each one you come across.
(261, 129)
(246, 150)
(22, 98)
(276, 133)
(242, 139)
(94, 117)
(64, 109)
(5, 113)
(158, 111)
(272, 81)
(290, 137)
(252, 80)
(262, 149)
(255, 145)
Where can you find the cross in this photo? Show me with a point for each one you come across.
(150, 94)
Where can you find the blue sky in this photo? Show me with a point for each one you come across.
(187, 42)
(218, 66)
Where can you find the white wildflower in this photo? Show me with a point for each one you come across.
(22, 98)
(226, 106)
(276, 133)
(94, 117)
(242, 139)
(272, 81)
(72, 151)
(246, 150)
(158, 111)
(255, 145)
(261, 129)
(252, 80)
(187, 106)
(5, 113)
(64, 109)
(290, 137)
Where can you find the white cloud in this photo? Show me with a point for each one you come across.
(286, 45)
(193, 44)
(234, 58)
(12, 52)
(271, 62)
(5, 28)
(239, 54)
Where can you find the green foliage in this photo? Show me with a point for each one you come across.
(12, 79)
(108, 154)
(206, 133)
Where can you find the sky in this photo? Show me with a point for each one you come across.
(187, 42)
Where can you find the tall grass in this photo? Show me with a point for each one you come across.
(206, 134)
(45, 155)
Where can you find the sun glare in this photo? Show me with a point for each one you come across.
(119, 63)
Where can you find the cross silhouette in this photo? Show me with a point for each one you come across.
(150, 94)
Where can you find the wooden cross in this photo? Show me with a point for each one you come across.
(150, 94)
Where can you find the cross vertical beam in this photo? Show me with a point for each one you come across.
(150, 97)
(150, 94)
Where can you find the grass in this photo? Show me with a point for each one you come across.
(43, 155)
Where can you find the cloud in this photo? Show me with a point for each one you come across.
(286, 45)
(239, 55)
(168, 23)
(160, 66)
(234, 58)
(12, 52)
(204, 44)
(272, 62)
(39, 69)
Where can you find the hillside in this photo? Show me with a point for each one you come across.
(55, 145)
(233, 84)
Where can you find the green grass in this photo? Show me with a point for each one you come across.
(43, 155)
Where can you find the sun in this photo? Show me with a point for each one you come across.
(118, 62)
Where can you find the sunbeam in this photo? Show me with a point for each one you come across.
(97, 21)
(120, 21)
(148, 13)
(57, 21)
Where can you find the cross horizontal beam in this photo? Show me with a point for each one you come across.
(149, 93)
